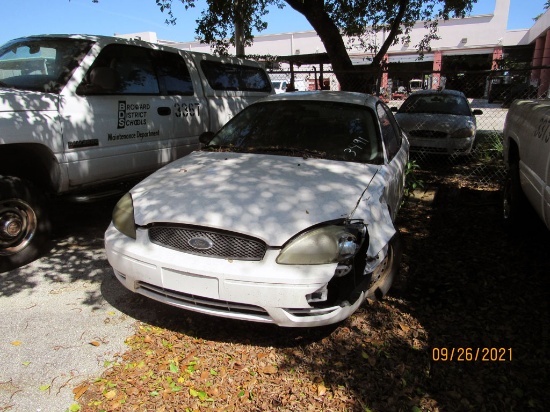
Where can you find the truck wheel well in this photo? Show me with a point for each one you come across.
(513, 153)
(33, 162)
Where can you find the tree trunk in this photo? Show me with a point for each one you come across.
(351, 78)
(314, 12)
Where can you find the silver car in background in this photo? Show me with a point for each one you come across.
(438, 121)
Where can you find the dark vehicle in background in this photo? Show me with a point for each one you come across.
(507, 88)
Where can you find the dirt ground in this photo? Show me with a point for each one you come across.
(465, 328)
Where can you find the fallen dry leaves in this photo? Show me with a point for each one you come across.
(175, 371)
(464, 282)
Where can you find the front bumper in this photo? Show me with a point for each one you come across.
(259, 291)
(446, 145)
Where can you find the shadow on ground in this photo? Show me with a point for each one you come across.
(465, 327)
(466, 287)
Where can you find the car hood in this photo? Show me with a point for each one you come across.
(435, 121)
(265, 196)
(12, 100)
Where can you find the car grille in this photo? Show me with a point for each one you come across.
(433, 134)
(221, 245)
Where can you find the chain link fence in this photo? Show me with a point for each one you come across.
(489, 91)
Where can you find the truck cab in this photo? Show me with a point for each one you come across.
(79, 115)
(527, 157)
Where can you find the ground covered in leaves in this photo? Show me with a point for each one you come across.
(465, 328)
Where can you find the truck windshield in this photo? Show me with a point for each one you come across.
(39, 63)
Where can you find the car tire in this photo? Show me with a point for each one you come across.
(24, 223)
(381, 279)
(514, 203)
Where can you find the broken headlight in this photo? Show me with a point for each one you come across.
(123, 216)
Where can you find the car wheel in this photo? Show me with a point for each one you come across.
(24, 223)
(383, 275)
(513, 199)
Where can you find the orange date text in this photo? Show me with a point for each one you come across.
(472, 354)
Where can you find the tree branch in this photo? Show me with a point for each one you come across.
(395, 27)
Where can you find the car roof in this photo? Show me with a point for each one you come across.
(362, 99)
(442, 91)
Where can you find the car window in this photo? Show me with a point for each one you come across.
(390, 130)
(439, 103)
(319, 129)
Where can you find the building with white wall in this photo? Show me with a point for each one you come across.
(482, 38)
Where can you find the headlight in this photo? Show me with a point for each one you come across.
(327, 244)
(123, 216)
(464, 133)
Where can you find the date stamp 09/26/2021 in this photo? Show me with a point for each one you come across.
(472, 354)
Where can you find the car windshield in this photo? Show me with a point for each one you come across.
(316, 129)
(436, 103)
(40, 64)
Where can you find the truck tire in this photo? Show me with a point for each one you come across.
(24, 223)
(514, 203)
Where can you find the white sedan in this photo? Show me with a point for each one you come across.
(286, 216)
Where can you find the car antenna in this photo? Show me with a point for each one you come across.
(362, 194)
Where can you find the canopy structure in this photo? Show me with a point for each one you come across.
(319, 59)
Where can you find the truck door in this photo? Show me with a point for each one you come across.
(535, 158)
(230, 85)
(121, 121)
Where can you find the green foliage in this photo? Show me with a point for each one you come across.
(489, 146)
(412, 181)
(358, 20)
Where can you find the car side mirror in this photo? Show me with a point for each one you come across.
(206, 137)
(477, 112)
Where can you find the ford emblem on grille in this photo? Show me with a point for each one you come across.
(200, 243)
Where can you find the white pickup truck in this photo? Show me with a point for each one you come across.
(527, 156)
(79, 115)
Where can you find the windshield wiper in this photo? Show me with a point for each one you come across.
(290, 151)
(293, 151)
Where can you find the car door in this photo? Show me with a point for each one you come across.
(396, 155)
(121, 120)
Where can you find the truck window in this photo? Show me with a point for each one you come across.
(174, 75)
(227, 76)
(41, 64)
(121, 69)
